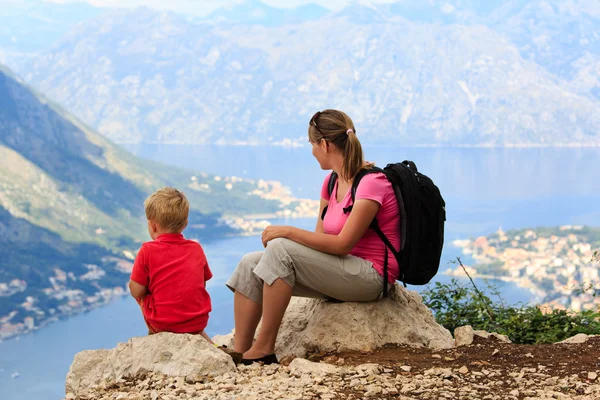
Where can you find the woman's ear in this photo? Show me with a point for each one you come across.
(324, 145)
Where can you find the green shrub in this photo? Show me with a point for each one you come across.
(455, 304)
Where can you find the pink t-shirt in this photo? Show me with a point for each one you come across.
(370, 247)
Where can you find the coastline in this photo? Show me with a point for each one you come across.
(248, 225)
(117, 294)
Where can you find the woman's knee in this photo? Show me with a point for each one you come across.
(279, 246)
(250, 260)
(243, 279)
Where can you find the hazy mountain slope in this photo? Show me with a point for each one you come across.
(256, 12)
(554, 33)
(403, 81)
(33, 25)
(56, 170)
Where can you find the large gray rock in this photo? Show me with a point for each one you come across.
(465, 335)
(171, 354)
(312, 325)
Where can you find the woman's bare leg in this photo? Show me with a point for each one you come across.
(247, 315)
(276, 298)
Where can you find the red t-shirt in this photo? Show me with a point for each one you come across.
(175, 271)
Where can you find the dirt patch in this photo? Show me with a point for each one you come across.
(564, 358)
(490, 368)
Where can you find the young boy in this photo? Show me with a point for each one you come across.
(170, 273)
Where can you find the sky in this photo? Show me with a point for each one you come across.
(202, 7)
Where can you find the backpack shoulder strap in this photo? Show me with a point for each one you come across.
(332, 180)
(361, 174)
(330, 186)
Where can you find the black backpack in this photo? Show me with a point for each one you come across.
(422, 216)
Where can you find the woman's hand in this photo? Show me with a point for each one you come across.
(275, 231)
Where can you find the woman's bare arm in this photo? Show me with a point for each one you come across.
(360, 218)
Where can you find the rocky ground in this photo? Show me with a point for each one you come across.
(486, 369)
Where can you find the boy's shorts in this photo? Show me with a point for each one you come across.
(152, 330)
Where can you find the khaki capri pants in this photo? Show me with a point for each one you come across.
(309, 272)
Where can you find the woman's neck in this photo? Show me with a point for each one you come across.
(337, 167)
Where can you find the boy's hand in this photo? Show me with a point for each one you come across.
(137, 291)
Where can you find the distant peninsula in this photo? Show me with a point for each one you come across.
(558, 265)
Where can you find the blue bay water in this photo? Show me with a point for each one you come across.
(484, 189)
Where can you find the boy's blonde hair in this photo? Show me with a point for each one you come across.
(169, 208)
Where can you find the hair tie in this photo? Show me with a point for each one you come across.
(349, 130)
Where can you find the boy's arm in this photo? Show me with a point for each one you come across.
(138, 282)
(137, 291)
(204, 264)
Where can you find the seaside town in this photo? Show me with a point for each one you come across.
(68, 294)
(291, 207)
(61, 299)
(558, 265)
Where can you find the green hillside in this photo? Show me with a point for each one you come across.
(71, 206)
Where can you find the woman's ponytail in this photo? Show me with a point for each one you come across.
(353, 156)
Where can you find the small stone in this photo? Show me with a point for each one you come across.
(495, 352)
(405, 368)
(436, 356)
(592, 376)
(287, 360)
(529, 355)
(464, 370)
(370, 368)
(408, 388)
(373, 391)
(191, 379)
(577, 339)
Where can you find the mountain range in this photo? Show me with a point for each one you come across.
(34, 25)
(456, 72)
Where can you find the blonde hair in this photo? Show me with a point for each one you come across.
(169, 208)
(336, 127)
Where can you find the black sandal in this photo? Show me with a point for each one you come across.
(266, 360)
(235, 356)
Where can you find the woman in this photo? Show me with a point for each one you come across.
(342, 259)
